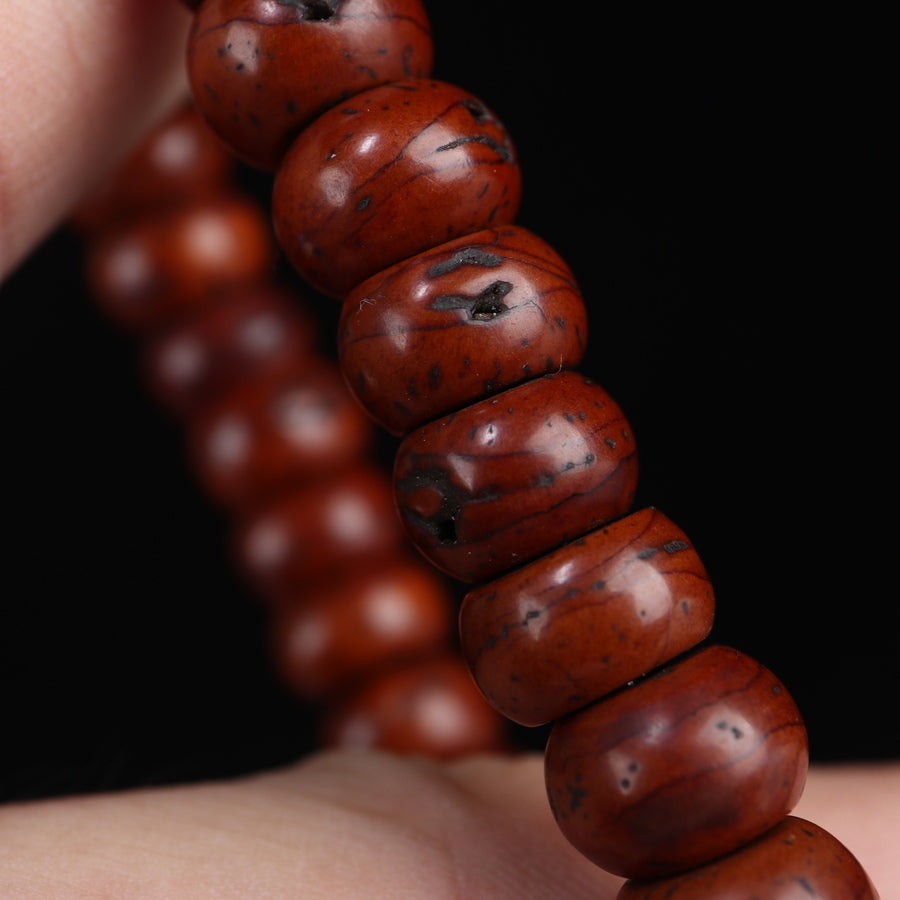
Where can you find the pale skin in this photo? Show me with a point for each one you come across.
(339, 825)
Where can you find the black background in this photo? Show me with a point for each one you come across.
(715, 187)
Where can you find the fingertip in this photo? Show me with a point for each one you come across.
(522, 846)
(81, 82)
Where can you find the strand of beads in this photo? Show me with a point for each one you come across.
(183, 259)
(400, 200)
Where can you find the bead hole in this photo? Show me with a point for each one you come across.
(489, 303)
(476, 110)
(487, 309)
(446, 530)
(313, 10)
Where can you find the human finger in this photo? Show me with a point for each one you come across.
(81, 82)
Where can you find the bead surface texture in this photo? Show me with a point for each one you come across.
(507, 479)
(391, 173)
(680, 768)
(457, 323)
(575, 625)
(262, 71)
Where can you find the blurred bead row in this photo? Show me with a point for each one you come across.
(183, 259)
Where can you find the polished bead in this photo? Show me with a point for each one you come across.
(391, 173)
(514, 476)
(796, 860)
(277, 431)
(181, 156)
(309, 532)
(262, 71)
(686, 765)
(261, 328)
(147, 273)
(575, 625)
(429, 708)
(459, 322)
(331, 634)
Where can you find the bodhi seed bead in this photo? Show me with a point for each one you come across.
(581, 622)
(257, 329)
(457, 323)
(180, 157)
(388, 174)
(287, 428)
(795, 860)
(340, 630)
(261, 71)
(679, 768)
(146, 273)
(429, 708)
(514, 476)
(304, 533)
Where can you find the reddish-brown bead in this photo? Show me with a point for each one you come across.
(575, 625)
(682, 767)
(147, 273)
(459, 322)
(262, 71)
(391, 173)
(287, 428)
(258, 329)
(310, 532)
(430, 708)
(343, 629)
(502, 481)
(180, 157)
(795, 860)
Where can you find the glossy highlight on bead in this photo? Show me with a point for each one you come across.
(502, 481)
(277, 431)
(581, 622)
(344, 629)
(253, 330)
(305, 533)
(262, 71)
(679, 768)
(459, 322)
(390, 174)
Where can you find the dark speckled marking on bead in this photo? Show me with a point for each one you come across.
(468, 256)
(500, 149)
(423, 299)
(576, 794)
(441, 524)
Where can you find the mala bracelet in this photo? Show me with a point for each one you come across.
(673, 764)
